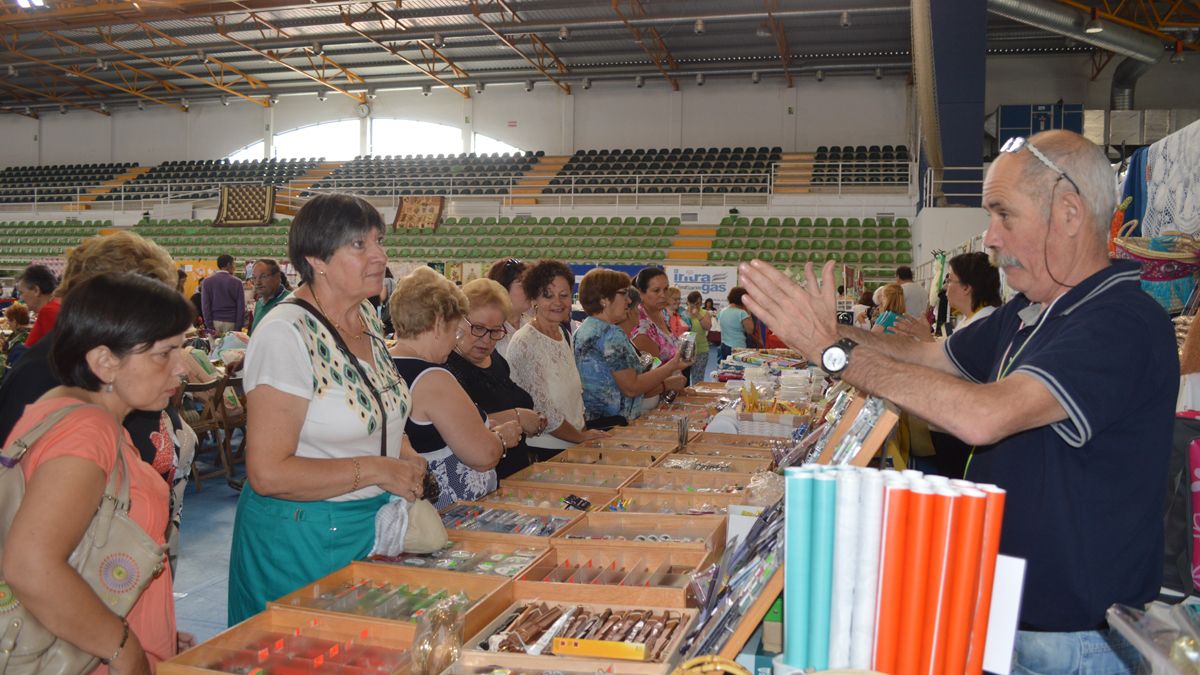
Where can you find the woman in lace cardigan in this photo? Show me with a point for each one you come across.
(543, 361)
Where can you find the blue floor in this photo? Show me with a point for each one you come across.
(202, 575)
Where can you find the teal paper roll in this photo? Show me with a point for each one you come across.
(824, 512)
(797, 564)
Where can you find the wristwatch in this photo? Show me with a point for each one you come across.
(836, 357)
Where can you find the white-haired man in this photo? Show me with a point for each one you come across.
(1067, 393)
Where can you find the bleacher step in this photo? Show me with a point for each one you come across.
(697, 232)
(677, 254)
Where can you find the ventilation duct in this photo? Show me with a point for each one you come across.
(1056, 18)
(1125, 77)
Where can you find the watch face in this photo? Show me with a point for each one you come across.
(833, 360)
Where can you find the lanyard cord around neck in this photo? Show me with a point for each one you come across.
(1006, 363)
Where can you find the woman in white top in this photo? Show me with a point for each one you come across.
(972, 289)
(326, 413)
(509, 274)
(543, 361)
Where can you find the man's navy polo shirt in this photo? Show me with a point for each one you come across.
(1085, 495)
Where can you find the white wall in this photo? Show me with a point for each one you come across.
(20, 140)
(945, 228)
(1045, 79)
(721, 113)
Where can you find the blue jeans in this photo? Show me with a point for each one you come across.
(1092, 652)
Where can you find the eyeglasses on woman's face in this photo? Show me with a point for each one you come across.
(479, 331)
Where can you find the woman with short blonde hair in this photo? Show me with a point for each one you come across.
(455, 434)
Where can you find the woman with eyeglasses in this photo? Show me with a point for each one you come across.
(509, 273)
(325, 414)
(972, 290)
(614, 381)
(543, 361)
(458, 438)
(484, 374)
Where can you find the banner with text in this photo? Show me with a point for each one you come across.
(712, 281)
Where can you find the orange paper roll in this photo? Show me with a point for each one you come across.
(993, 518)
(965, 553)
(945, 512)
(916, 578)
(891, 569)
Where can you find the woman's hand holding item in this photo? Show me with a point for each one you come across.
(401, 477)
(509, 433)
(532, 422)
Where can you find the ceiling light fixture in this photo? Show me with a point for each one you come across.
(426, 90)
(24, 4)
(321, 96)
(528, 85)
(763, 31)
(224, 100)
(183, 102)
(479, 87)
(699, 79)
(698, 28)
(438, 41)
(756, 77)
(12, 70)
(820, 76)
(1093, 25)
(62, 110)
(1177, 57)
(587, 83)
(28, 110)
(879, 73)
(564, 33)
(845, 19)
(100, 64)
(371, 95)
(141, 105)
(273, 99)
(317, 49)
(103, 107)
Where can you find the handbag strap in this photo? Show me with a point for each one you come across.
(114, 488)
(345, 350)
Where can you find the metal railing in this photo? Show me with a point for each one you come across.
(961, 185)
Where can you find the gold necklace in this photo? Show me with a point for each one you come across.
(336, 325)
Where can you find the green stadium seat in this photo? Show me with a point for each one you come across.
(773, 222)
(674, 221)
(724, 232)
(731, 256)
(821, 222)
(850, 245)
(804, 232)
(903, 233)
(757, 222)
(869, 245)
(903, 258)
(785, 244)
(789, 222)
(867, 258)
(836, 222)
(886, 259)
(743, 221)
(715, 256)
(740, 231)
(903, 246)
(850, 257)
(799, 257)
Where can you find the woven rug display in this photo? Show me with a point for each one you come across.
(418, 212)
(245, 205)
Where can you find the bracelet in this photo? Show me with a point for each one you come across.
(503, 447)
(120, 647)
(357, 475)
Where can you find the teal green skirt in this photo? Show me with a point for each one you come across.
(280, 546)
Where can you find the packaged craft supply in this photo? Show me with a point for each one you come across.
(549, 496)
(632, 640)
(612, 457)
(283, 640)
(471, 557)
(587, 572)
(637, 530)
(468, 516)
(675, 480)
(383, 594)
(559, 473)
(439, 636)
(689, 462)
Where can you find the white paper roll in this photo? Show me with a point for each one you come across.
(866, 570)
(845, 561)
